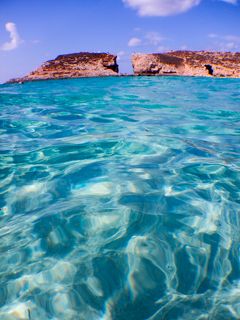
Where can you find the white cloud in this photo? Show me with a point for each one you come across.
(134, 42)
(184, 47)
(15, 39)
(121, 54)
(212, 35)
(153, 38)
(161, 7)
(150, 38)
(137, 29)
(36, 41)
(163, 49)
(231, 1)
(225, 42)
(165, 7)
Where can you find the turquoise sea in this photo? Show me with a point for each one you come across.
(120, 199)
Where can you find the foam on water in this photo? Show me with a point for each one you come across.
(120, 199)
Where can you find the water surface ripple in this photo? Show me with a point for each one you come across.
(120, 199)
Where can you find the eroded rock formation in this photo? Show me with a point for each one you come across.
(83, 64)
(188, 63)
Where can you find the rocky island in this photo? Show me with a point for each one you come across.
(180, 63)
(75, 65)
(188, 63)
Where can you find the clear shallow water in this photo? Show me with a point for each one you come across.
(120, 199)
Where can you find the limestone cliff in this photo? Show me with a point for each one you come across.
(83, 64)
(188, 63)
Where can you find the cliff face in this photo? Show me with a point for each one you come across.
(188, 63)
(182, 63)
(74, 65)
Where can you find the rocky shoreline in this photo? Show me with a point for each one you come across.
(75, 65)
(188, 63)
(178, 63)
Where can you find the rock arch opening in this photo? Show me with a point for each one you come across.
(209, 69)
(124, 63)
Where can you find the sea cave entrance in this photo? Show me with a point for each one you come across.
(209, 69)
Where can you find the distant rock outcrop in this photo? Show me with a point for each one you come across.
(75, 65)
(188, 63)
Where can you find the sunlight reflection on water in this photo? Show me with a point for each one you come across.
(120, 199)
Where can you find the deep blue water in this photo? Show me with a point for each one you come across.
(120, 199)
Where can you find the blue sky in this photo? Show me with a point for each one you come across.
(33, 31)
